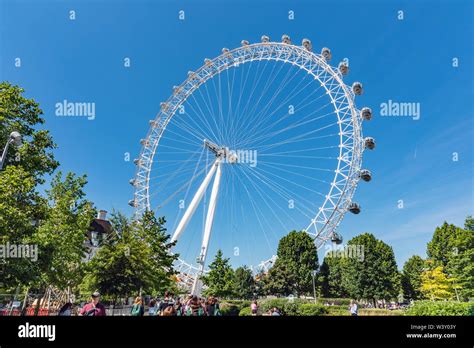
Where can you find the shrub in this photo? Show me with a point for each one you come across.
(336, 301)
(240, 303)
(337, 311)
(311, 309)
(379, 312)
(451, 308)
(245, 312)
(266, 305)
(229, 309)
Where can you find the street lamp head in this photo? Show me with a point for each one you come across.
(15, 138)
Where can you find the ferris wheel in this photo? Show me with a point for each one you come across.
(276, 130)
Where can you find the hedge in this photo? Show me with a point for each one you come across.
(337, 301)
(245, 312)
(229, 309)
(443, 308)
(312, 309)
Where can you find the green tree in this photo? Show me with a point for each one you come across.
(469, 223)
(292, 271)
(331, 276)
(129, 261)
(461, 263)
(376, 277)
(279, 279)
(442, 246)
(219, 279)
(453, 248)
(155, 235)
(244, 283)
(260, 283)
(21, 206)
(411, 277)
(23, 115)
(61, 235)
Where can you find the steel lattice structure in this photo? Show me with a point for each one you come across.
(351, 142)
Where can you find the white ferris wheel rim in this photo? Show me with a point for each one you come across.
(351, 145)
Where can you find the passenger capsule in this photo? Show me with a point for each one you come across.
(132, 203)
(366, 113)
(326, 53)
(365, 175)
(336, 238)
(357, 88)
(163, 106)
(225, 50)
(132, 182)
(307, 44)
(343, 68)
(244, 43)
(207, 61)
(137, 162)
(354, 208)
(286, 39)
(265, 39)
(369, 143)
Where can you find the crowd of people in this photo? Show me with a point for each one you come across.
(190, 306)
(169, 305)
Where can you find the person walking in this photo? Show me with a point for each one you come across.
(138, 309)
(153, 308)
(212, 307)
(353, 308)
(195, 308)
(66, 310)
(254, 308)
(93, 308)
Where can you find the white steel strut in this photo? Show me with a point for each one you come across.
(215, 171)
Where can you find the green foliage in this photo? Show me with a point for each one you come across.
(469, 223)
(331, 276)
(442, 246)
(229, 309)
(240, 303)
(453, 248)
(132, 260)
(220, 278)
(312, 309)
(21, 206)
(337, 301)
(61, 235)
(292, 272)
(411, 277)
(442, 308)
(245, 312)
(244, 283)
(337, 311)
(376, 277)
(379, 312)
(23, 115)
(286, 306)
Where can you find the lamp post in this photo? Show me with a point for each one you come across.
(314, 273)
(15, 139)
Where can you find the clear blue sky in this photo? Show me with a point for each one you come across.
(409, 60)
